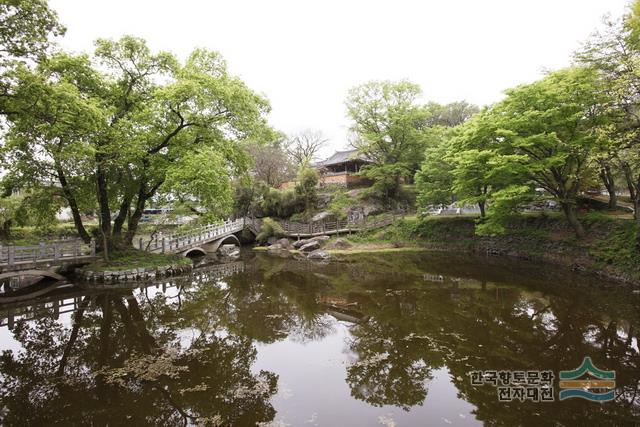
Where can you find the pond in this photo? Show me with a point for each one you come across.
(388, 340)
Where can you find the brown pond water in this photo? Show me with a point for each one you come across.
(385, 340)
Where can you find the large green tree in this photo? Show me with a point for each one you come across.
(465, 166)
(550, 124)
(388, 124)
(434, 180)
(110, 129)
(614, 52)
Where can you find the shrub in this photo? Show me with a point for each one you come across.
(270, 228)
(306, 189)
(280, 203)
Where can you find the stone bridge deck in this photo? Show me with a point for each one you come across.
(183, 242)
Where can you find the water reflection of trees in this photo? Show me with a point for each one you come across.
(465, 326)
(119, 364)
(467, 322)
(169, 358)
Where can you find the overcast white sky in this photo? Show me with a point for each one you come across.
(304, 55)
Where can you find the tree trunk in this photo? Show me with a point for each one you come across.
(73, 205)
(571, 215)
(77, 322)
(607, 179)
(636, 215)
(105, 330)
(104, 212)
(482, 209)
(6, 229)
(134, 219)
(141, 200)
(123, 211)
(633, 194)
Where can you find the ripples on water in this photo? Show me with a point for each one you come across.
(380, 340)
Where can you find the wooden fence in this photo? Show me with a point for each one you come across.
(337, 226)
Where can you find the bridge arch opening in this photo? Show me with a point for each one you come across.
(195, 252)
(227, 240)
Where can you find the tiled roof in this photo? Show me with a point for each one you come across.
(342, 157)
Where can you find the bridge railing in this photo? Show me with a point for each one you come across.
(175, 242)
(63, 250)
(178, 241)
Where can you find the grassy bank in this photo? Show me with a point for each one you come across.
(609, 250)
(132, 258)
(358, 249)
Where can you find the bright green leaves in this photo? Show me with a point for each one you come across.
(541, 135)
(434, 180)
(202, 179)
(387, 120)
(388, 123)
(306, 187)
(27, 26)
(551, 123)
(127, 123)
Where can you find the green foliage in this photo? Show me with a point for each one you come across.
(202, 178)
(389, 126)
(504, 204)
(549, 125)
(287, 202)
(30, 235)
(450, 115)
(434, 180)
(246, 196)
(620, 247)
(26, 28)
(446, 229)
(541, 135)
(36, 208)
(40, 207)
(387, 182)
(25, 32)
(614, 52)
(340, 203)
(307, 187)
(269, 228)
(11, 213)
(280, 203)
(117, 128)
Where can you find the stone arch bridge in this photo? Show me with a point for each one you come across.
(200, 241)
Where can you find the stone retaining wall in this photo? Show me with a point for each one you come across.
(134, 274)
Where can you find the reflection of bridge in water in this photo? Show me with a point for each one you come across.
(63, 298)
